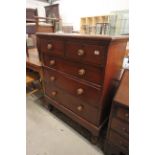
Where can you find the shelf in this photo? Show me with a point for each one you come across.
(115, 23)
(88, 24)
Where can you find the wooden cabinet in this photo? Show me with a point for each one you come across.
(78, 72)
(117, 141)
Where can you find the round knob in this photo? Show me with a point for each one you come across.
(81, 71)
(49, 46)
(80, 52)
(80, 91)
(96, 52)
(54, 93)
(80, 108)
(52, 78)
(52, 62)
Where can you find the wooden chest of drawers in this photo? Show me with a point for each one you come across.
(117, 141)
(77, 74)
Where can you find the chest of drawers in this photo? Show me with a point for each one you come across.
(117, 141)
(77, 74)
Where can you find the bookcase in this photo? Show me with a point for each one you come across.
(115, 23)
(120, 22)
(94, 25)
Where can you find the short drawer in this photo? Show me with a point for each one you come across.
(86, 52)
(122, 113)
(119, 141)
(79, 90)
(53, 46)
(69, 101)
(89, 73)
(121, 127)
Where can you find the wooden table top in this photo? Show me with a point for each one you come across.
(122, 94)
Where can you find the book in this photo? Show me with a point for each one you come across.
(105, 28)
(99, 28)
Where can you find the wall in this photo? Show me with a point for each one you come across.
(37, 4)
(72, 10)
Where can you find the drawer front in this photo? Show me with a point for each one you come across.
(91, 74)
(121, 127)
(118, 140)
(86, 52)
(53, 46)
(111, 149)
(80, 90)
(122, 113)
(69, 101)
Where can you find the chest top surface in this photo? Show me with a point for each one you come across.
(84, 36)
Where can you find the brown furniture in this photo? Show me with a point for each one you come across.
(34, 23)
(33, 71)
(33, 61)
(117, 141)
(78, 72)
(32, 82)
(30, 14)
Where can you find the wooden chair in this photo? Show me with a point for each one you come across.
(34, 23)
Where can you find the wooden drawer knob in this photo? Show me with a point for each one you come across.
(96, 52)
(80, 52)
(80, 91)
(81, 71)
(80, 108)
(52, 78)
(54, 93)
(52, 62)
(49, 46)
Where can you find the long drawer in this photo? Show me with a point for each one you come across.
(74, 87)
(89, 73)
(118, 140)
(69, 101)
(120, 126)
